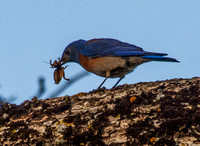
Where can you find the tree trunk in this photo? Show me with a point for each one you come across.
(162, 112)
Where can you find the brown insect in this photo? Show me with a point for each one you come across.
(59, 72)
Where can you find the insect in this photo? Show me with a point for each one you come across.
(59, 72)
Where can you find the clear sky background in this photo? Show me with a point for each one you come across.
(35, 31)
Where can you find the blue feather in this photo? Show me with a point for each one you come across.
(159, 58)
(115, 48)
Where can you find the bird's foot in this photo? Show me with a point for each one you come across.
(98, 90)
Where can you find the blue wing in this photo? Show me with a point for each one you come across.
(112, 47)
(108, 47)
(127, 52)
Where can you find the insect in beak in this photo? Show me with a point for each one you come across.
(59, 72)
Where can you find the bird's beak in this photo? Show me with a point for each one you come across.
(64, 59)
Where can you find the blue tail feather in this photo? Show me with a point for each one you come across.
(159, 58)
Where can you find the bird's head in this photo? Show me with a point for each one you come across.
(71, 52)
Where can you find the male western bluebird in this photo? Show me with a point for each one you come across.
(109, 58)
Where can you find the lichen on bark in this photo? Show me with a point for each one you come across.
(161, 112)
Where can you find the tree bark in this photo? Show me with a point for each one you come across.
(161, 112)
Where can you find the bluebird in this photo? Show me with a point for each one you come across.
(109, 58)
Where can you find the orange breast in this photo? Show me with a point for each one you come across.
(87, 63)
(95, 65)
(100, 65)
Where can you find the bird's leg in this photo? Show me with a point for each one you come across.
(117, 82)
(102, 83)
(107, 76)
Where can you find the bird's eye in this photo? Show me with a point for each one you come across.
(67, 52)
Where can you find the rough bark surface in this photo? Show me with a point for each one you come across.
(162, 112)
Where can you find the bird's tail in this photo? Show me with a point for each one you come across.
(159, 58)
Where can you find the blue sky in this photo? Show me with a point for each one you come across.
(35, 31)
